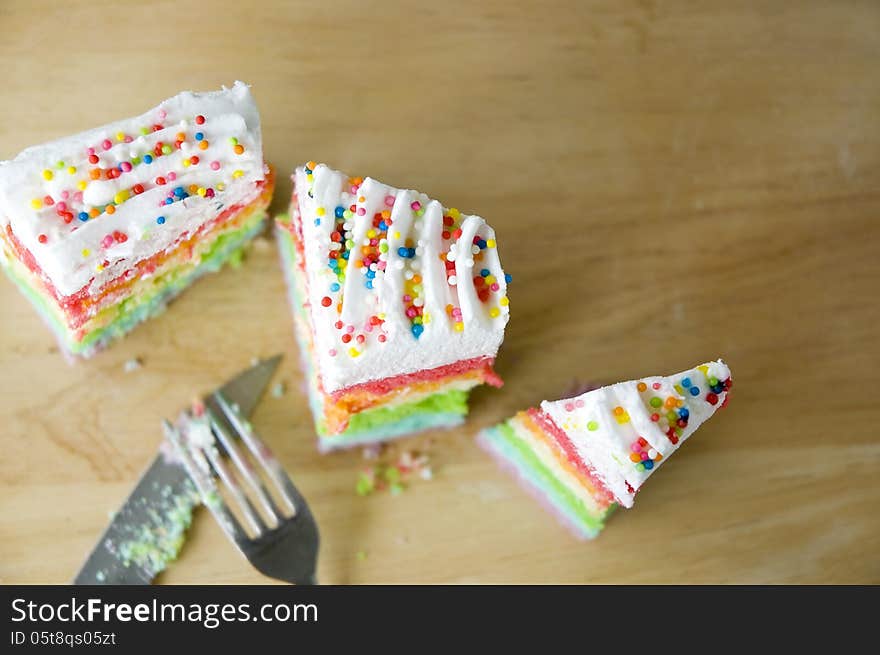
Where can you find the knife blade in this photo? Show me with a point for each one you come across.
(148, 530)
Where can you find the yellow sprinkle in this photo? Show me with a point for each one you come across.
(202, 191)
(381, 315)
(454, 213)
(99, 267)
(320, 211)
(71, 170)
(396, 235)
(679, 389)
(371, 234)
(220, 186)
(81, 185)
(490, 279)
(36, 203)
(120, 136)
(86, 252)
(47, 174)
(490, 243)
(186, 162)
(704, 369)
(121, 197)
(237, 173)
(459, 327)
(503, 301)
(353, 352)
(310, 177)
(426, 318)
(494, 312)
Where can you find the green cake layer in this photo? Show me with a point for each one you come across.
(502, 441)
(226, 248)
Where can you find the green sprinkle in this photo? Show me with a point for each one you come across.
(592, 426)
(656, 402)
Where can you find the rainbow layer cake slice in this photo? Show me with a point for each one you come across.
(101, 229)
(585, 455)
(399, 304)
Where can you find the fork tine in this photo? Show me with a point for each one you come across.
(205, 485)
(259, 449)
(243, 466)
(255, 523)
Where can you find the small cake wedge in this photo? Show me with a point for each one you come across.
(101, 229)
(585, 455)
(399, 305)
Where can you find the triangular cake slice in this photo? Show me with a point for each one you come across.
(100, 230)
(400, 305)
(585, 455)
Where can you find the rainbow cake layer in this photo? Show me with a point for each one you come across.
(101, 229)
(585, 455)
(399, 305)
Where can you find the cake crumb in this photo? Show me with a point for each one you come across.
(391, 474)
(361, 555)
(132, 364)
(278, 390)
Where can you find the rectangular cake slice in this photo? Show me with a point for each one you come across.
(585, 455)
(399, 305)
(101, 229)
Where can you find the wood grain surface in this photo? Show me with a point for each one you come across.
(670, 183)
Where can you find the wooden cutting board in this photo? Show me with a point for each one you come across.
(670, 183)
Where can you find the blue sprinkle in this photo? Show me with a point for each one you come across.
(334, 286)
(317, 221)
(168, 201)
(648, 464)
(508, 278)
(410, 252)
(148, 159)
(402, 251)
(695, 391)
(179, 192)
(160, 220)
(199, 136)
(684, 413)
(369, 284)
(686, 383)
(485, 272)
(383, 226)
(83, 216)
(307, 170)
(371, 274)
(481, 243)
(340, 212)
(346, 254)
(417, 330)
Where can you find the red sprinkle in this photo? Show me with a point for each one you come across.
(346, 338)
(42, 238)
(326, 301)
(160, 180)
(138, 188)
(711, 398)
(200, 120)
(93, 159)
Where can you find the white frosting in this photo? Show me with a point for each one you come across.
(604, 440)
(74, 253)
(482, 322)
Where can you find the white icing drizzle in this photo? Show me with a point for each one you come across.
(384, 340)
(605, 439)
(77, 253)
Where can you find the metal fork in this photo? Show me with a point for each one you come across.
(286, 546)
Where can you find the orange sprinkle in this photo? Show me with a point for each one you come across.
(311, 165)
(386, 214)
(193, 188)
(95, 173)
(618, 411)
(93, 212)
(641, 386)
(110, 209)
(203, 145)
(670, 402)
(181, 136)
(238, 149)
(635, 457)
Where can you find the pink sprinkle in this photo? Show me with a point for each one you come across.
(349, 329)
(107, 241)
(407, 297)
(368, 327)
(374, 242)
(215, 165)
(128, 139)
(569, 407)
(106, 144)
(172, 176)
(65, 195)
(361, 211)
(78, 196)
(579, 402)
(125, 166)
(411, 312)
(416, 206)
(389, 201)
(354, 189)
(656, 385)
(90, 151)
(361, 338)
(332, 352)
(382, 338)
(162, 114)
(644, 456)
(62, 206)
(635, 447)
(494, 286)
(209, 193)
